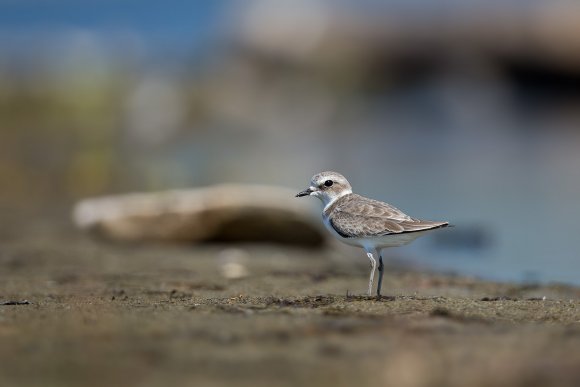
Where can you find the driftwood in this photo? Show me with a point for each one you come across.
(224, 213)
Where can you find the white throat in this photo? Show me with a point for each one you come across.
(328, 200)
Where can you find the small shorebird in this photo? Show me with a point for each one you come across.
(364, 222)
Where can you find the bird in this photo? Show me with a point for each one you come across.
(362, 222)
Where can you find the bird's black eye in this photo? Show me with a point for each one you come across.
(328, 183)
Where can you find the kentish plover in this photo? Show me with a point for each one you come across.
(364, 222)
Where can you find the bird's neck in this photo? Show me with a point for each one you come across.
(328, 201)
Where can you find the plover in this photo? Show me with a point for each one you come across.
(363, 222)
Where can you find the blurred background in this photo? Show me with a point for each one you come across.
(451, 110)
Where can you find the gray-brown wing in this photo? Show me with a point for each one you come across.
(358, 216)
(359, 205)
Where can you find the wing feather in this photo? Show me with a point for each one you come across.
(357, 216)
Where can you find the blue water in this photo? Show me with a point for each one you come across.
(163, 27)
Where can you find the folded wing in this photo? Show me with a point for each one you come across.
(357, 216)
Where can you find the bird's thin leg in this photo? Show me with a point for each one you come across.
(381, 272)
(373, 267)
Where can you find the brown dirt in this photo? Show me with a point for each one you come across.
(118, 315)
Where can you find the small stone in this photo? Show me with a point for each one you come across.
(233, 263)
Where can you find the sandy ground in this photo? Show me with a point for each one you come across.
(101, 314)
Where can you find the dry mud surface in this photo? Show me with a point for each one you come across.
(80, 312)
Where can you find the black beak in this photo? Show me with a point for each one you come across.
(306, 192)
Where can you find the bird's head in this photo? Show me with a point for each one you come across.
(327, 186)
